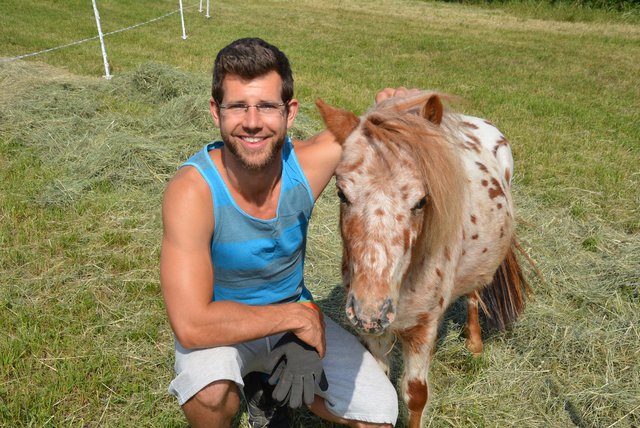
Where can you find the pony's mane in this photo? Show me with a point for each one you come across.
(396, 124)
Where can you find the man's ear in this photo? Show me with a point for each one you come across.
(292, 111)
(215, 112)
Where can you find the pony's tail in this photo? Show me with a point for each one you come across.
(503, 299)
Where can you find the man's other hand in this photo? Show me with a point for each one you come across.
(394, 92)
(295, 369)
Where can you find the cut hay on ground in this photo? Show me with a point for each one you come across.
(85, 341)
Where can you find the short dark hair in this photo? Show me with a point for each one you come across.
(250, 58)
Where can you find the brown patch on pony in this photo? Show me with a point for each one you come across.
(474, 237)
(496, 191)
(439, 273)
(499, 206)
(507, 175)
(484, 250)
(441, 302)
(340, 123)
(407, 239)
(470, 125)
(501, 232)
(353, 166)
(418, 393)
(474, 219)
(476, 148)
(447, 253)
(397, 240)
(352, 228)
(400, 218)
(379, 212)
(501, 142)
(355, 228)
(482, 167)
(464, 252)
(475, 140)
(485, 183)
(473, 144)
(415, 338)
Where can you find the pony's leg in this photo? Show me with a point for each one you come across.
(472, 329)
(418, 344)
(380, 347)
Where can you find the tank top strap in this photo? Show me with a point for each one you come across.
(203, 163)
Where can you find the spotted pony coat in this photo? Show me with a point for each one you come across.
(426, 217)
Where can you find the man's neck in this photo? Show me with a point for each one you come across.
(258, 188)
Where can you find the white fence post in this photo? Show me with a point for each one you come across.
(200, 9)
(184, 34)
(104, 50)
(207, 15)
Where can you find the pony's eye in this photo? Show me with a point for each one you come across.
(343, 198)
(421, 203)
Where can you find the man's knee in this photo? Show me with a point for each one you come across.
(219, 396)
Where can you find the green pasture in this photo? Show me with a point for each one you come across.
(84, 161)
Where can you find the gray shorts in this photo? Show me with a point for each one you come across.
(358, 388)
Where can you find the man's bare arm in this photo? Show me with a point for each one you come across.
(318, 157)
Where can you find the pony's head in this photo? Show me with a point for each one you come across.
(400, 192)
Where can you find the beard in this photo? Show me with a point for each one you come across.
(253, 160)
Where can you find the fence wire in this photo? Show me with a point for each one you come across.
(94, 37)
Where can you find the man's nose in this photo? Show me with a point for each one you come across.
(252, 118)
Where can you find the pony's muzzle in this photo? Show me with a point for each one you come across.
(373, 321)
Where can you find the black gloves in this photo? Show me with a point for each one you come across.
(296, 367)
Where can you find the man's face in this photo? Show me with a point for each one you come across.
(254, 137)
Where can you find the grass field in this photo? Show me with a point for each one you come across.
(83, 163)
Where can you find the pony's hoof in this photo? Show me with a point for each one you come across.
(474, 347)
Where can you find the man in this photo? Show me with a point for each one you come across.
(235, 221)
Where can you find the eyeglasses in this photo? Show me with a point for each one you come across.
(264, 109)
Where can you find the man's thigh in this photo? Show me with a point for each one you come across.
(197, 368)
(358, 388)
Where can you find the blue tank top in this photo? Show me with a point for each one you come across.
(255, 261)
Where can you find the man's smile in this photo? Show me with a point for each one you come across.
(253, 142)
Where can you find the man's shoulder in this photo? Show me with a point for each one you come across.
(187, 185)
(187, 206)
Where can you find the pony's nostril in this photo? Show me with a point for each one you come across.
(371, 322)
(387, 313)
(350, 308)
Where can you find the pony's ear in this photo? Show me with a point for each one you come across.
(339, 122)
(432, 110)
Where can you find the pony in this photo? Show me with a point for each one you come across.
(426, 217)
